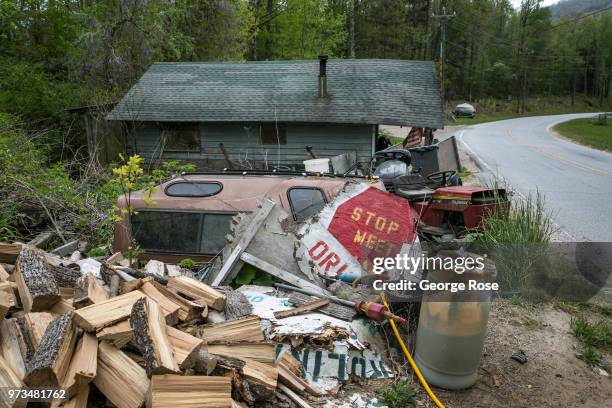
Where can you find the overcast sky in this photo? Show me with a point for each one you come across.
(517, 3)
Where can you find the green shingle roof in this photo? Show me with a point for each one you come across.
(371, 91)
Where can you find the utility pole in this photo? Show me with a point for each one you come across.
(442, 18)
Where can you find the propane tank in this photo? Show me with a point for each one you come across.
(452, 328)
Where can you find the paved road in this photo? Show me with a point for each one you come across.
(576, 180)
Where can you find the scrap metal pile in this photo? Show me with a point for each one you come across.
(162, 336)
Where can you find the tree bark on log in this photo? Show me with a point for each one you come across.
(149, 326)
(236, 305)
(65, 277)
(35, 281)
(52, 358)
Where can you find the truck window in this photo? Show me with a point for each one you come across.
(193, 189)
(180, 231)
(305, 202)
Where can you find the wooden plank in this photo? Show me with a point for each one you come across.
(170, 309)
(119, 378)
(83, 365)
(306, 308)
(10, 347)
(119, 334)
(263, 352)
(8, 379)
(38, 290)
(106, 313)
(184, 346)
(198, 291)
(189, 391)
(188, 310)
(149, 325)
(280, 274)
(294, 397)
(88, 292)
(331, 309)
(9, 253)
(229, 269)
(52, 358)
(247, 329)
(42, 239)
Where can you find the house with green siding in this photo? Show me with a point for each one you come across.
(270, 113)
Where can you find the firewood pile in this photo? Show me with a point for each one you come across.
(140, 338)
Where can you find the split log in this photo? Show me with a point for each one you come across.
(119, 378)
(189, 391)
(67, 293)
(5, 304)
(12, 346)
(83, 365)
(65, 277)
(188, 310)
(263, 352)
(106, 313)
(4, 275)
(237, 305)
(115, 283)
(119, 334)
(135, 284)
(259, 373)
(198, 291)
(184, 347)
(66, 249)
(88, 292)
(9, 253)
(170, 309)
(286, 360)
(204, 363)
(149, 325)
(25, 342)
(63, 306)
(36, 325)
(6, 288)
(9, 380)
(52, 358)
(141, 274)
(247, 329)
(294, 397)
(305, 308)
(38, 290)
(79, 400)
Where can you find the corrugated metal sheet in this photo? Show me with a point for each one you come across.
(326, 139)
(368, 91)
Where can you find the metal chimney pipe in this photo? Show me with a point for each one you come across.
(322, 76)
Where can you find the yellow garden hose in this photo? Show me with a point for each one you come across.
(410, 360)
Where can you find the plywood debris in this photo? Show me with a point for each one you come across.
(198, 291)
(189, 391)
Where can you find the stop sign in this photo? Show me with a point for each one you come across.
(373, 224)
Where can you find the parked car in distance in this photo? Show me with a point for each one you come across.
(192, 213)
(465, 110)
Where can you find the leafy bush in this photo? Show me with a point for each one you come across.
(187, 263)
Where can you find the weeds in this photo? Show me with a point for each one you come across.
(593, 358)
(397, 395)
(597, 335)
(577, 307)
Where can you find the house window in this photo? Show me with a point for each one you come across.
(305, 202)
(181, 137)
(180, 232)
(272, 134)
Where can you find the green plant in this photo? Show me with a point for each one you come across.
(98, 251)
(593, 358)
(398, 395)
(187, 263)
(250, 275)
(597, 335)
